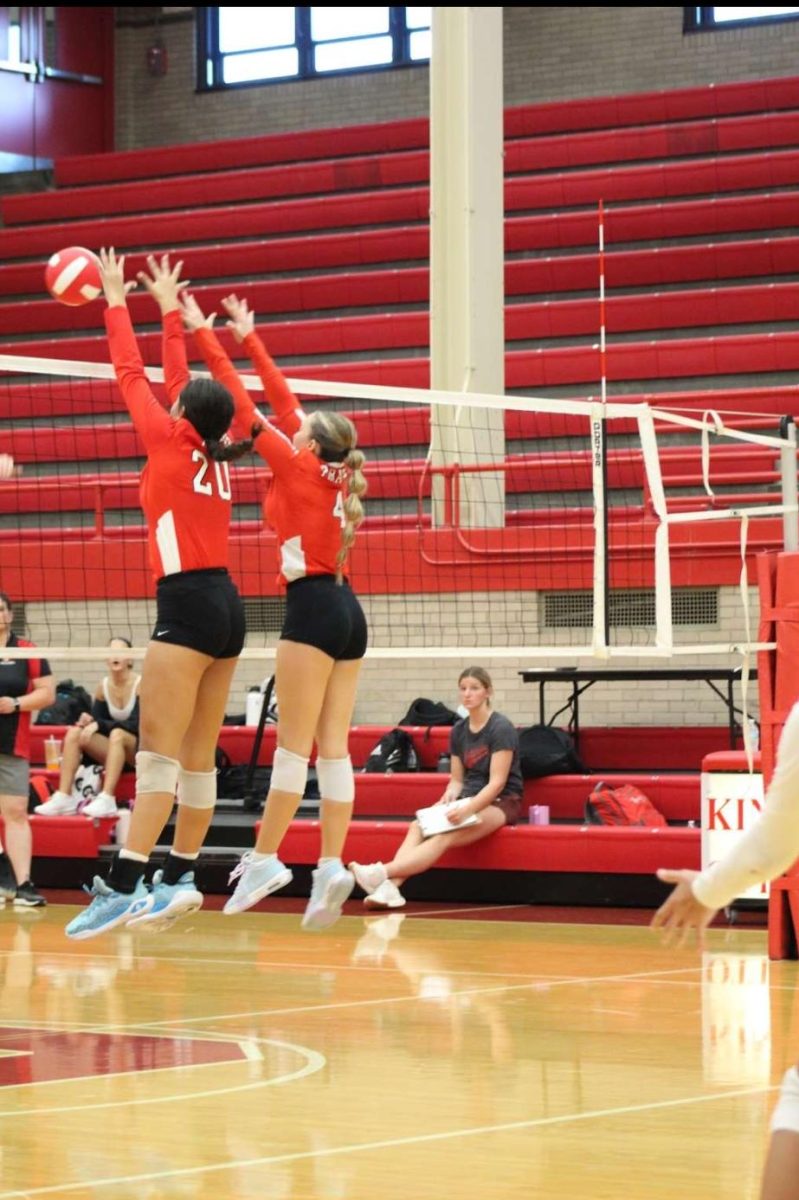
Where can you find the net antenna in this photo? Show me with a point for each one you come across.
(599, 469)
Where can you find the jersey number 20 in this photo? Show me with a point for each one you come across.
(221, 475)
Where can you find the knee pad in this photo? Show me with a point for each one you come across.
(289, 772)
(197, 789)
(786, 1114)
(155, 773)
(336, 779)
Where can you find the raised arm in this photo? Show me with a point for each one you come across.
(165, 286)
(284, 404)
(151, 421)
(271, 444)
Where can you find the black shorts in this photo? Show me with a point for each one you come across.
(201, 610)
(323, 613)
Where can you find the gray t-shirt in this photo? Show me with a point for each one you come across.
(475, 750)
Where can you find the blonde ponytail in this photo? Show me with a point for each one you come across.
(337, 438)
(353, 509)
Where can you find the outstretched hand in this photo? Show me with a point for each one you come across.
(112, 276)
(242, 321)
(163, 283)
(193, 316)
(681, 911)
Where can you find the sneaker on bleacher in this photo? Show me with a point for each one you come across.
(369, 876)
(387, 895)
(102, 805)
(171, 901)
(59, 805)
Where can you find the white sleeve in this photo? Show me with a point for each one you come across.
(769, 846)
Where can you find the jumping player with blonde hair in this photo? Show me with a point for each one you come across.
(313, 504)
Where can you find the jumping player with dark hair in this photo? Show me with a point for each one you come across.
(199, 630)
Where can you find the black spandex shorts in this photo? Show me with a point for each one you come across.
(201, 610)
(323, 613)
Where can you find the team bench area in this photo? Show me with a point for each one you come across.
(564, 862)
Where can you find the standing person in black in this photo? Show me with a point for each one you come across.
(485, 781)
(26, 685)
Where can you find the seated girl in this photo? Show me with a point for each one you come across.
(109, 735)
(485, 781)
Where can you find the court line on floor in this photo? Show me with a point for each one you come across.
(315, 1061)
(542, 983)
(393, 1143)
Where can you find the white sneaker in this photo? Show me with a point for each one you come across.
(331, 886)
(370, 876)
(102, 805)
(256, 880)
(387, 895)
(59, 805)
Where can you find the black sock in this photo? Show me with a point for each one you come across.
(125, 874)
(175, 867)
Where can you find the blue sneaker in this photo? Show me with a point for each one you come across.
(171, 901)
(331, 886)
(108, 909)
(256, 880)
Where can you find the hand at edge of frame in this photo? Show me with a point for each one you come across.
(680, 912)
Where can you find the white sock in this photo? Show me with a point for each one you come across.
(324, 861)
(134, 856)
(106, 796)
(261, 858)
(188, 857)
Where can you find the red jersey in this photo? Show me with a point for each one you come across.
(305, 500)
(185, 495)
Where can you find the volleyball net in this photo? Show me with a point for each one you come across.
(503, 526)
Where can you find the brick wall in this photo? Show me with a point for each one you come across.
(550, 54)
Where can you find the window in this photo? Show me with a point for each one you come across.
(697, 19)
(262, 45)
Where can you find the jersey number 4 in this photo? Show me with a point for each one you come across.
(221, 475)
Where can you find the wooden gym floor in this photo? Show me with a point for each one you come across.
(430, 1054)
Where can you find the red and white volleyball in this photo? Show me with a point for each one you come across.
(73, 276)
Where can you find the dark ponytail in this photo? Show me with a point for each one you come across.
(229, 451)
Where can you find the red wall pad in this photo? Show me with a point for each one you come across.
(68, 837)
(778, 579)
(520, 848)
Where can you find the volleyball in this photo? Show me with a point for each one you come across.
(73, 276)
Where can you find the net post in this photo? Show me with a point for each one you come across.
(788, 485)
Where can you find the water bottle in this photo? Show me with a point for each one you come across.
(444, 764)
(254, 704)
(754, 733)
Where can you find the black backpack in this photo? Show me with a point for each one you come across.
(429, 712)
(394, 752)
(70, 701)
(544, 750)
(231, 779)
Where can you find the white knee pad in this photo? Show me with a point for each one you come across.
(155, 773)
(786, 1114)
(197, 789)
(289, 772)
(336, 779)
